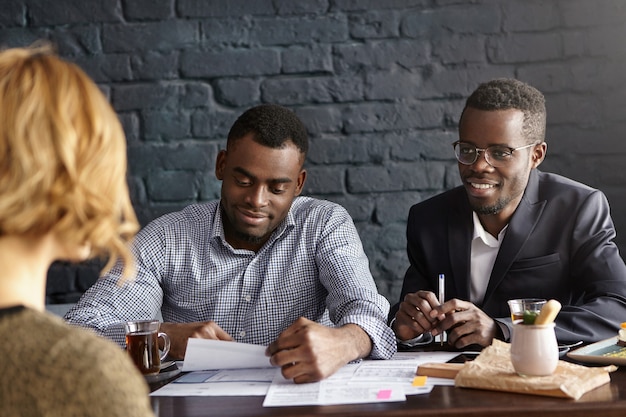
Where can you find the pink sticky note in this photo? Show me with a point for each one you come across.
(383, 394)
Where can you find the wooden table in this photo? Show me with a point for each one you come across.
(606, 401)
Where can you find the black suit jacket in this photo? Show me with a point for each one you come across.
(559, 244)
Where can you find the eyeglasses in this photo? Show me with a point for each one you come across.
(495, 155)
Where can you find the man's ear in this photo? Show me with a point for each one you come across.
(220, 163)
(300, 183)
(539, 154)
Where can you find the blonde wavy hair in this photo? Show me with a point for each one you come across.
(62, 157)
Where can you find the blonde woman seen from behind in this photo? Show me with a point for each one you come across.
(63, 196)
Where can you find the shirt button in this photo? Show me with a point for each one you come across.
(247, 298)
(242, 333)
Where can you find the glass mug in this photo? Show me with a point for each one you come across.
(142, 344)
(520, 305)
(534, 350)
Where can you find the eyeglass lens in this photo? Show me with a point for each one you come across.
(496, 156)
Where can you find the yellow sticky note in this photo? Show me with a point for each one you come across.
(419, 381)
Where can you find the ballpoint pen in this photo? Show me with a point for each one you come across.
(442, 285)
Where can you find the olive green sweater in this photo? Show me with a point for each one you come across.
(48, 368)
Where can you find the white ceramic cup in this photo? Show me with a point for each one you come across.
(534, 350)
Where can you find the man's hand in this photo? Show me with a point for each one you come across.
(180, 332)
(308, 351)
(414, 315)
(466, 324)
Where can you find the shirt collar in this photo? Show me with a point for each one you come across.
(482, 234)
(287, 224)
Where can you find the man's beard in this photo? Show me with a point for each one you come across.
(249, 238)
(492, 209)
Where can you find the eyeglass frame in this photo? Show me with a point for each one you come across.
(484, 150)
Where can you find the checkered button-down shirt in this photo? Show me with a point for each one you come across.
(312, 266)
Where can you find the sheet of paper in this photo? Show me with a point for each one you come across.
(227, 382)
(284, 392)
(204, 354)
(364, 382)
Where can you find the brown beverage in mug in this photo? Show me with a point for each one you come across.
(142, 344)
(143, 348)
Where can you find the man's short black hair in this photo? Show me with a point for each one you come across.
(272, 126)
(508, 93)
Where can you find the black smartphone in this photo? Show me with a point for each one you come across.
(464, 357)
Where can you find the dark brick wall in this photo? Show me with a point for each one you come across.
(379, 84)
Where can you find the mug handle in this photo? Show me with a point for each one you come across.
(166, 345)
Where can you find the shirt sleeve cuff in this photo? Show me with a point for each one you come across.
(423, 339)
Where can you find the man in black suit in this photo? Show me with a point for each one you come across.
(510, 231)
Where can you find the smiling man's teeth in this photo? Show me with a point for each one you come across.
(482, 186)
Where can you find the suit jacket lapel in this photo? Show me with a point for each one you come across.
(520, 227)
(460, 228)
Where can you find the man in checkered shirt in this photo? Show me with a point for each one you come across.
(262, 265)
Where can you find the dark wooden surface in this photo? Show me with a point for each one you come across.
(606, 401)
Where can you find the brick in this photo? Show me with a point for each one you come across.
(377, 55)
(530, 16)
(585, 13)
(377, 117)
(574, 109)
(18, 37)
(290, 91)
(164, 125)
(150, 36)
(328, 28)
(390, 86)
(307, 58)
(422, 145)
(210, 188)
(451, 180)
(445, 82)
(320, 119)
(41, 13)
(105, 68)
(188, 156)
(77, 40)
(394, 207)
(153, 65)
(290, 7)
(391, 237)
(458, 49)
(220, 8)
(361, 208)
(548, 78)
(130, 124)
(472, 19)
(146, 96)
(229, 63)
(217, 32)
(213, 124)
(196, 94)
(148, 9)
(324, 179)
(238, 92)
(13, 14)
(396, 177)
(359, 5)
(524, 48)
(354, 149)
(375, 24)
(137, 190)
(171, 186)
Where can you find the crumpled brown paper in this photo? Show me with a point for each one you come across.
(493, 370)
